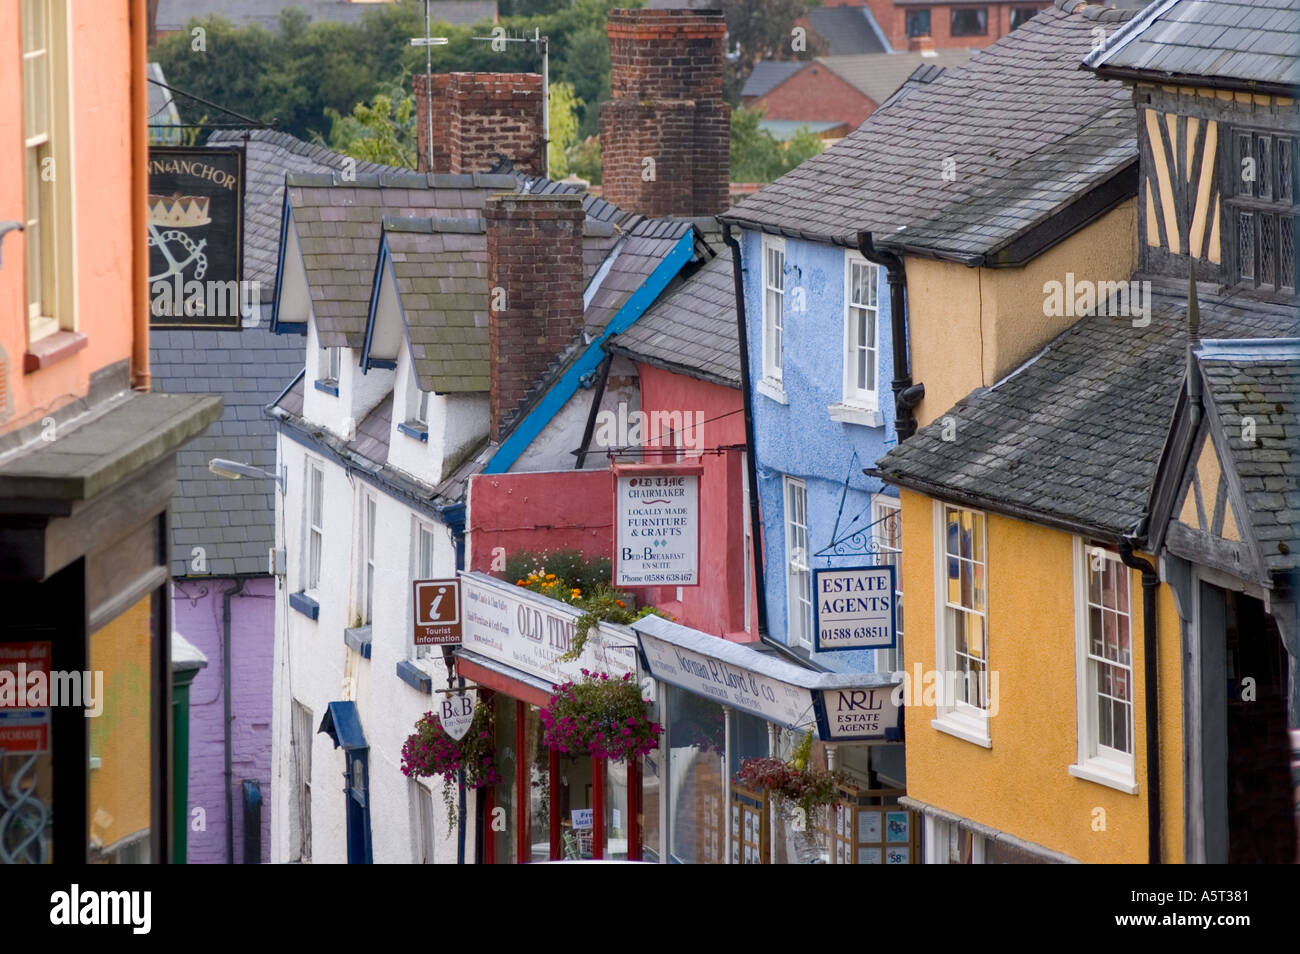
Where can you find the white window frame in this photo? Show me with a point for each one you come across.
(49, 205)
(882, 506)
(1099, 763)
(424, 818)
(367, 516)
(333, 366)
(854, 316)
(313, 526)
(798, 575)
(953, 714)
(421, 570)
(942, 839)
(773, 324)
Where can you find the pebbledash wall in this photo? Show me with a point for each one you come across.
(197, 609)
(798, 438)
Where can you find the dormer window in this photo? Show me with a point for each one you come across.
(1261, 210)
(421, 415)
(333, 364)
(417, 412)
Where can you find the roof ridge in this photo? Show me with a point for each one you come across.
(472, 225)
(1094, 11)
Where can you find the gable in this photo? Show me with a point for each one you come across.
(1208, 526)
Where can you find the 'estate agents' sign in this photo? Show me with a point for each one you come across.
(861, 713)
(854, 608)
(437, 612)
(658, 518)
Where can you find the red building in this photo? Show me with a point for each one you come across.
(906, 24)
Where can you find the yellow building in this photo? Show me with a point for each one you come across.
(1077, 644)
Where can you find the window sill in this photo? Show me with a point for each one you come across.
(358, 640)
(305, 605)
(52, 349)
(1106, 773)
(769, 387)
(853, 414)
(970, 728)
(329, 387)
(410, 673)
(414, 429)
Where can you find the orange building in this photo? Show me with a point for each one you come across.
(87, 454)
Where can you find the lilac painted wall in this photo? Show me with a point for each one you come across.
(196, 608)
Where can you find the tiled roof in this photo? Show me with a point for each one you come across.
(1027, 131)
(634, 258)
(1246, 41)
(440, 266)
(232, 520)
(767, 75)
(268, 156)
(1074, 436)
(846, 29)
(878, 75)
(338, 225)
(176, 14)
(692, 329)
(1266, 389)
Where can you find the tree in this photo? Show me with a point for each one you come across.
(757, 156)
(384, 131)
(563, 122)
(764, 30)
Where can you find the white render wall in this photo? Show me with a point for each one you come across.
(457, 423)
(314, 666)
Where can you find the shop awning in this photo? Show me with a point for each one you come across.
(839, 707)
(491, 674)
(343, 725)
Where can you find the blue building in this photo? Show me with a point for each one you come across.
(820, 360)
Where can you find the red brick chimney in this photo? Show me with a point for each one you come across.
(478, 117)
(665, 135)
(534, 246)
(921, 44)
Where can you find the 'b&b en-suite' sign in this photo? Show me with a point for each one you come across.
(658, 534)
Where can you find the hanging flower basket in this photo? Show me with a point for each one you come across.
(600, 716)
(793, 782)
(430, 751)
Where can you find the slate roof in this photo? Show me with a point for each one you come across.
(268, 155)
(691, 329)
(440, 268)
(233, 520)
(634, 259)
(877, 75)
(338, 224)
(1224, 42)
(846, 29)
(767, 75)
(1074, 436)
(176, 14)
(1265, 387)
(1028, 131)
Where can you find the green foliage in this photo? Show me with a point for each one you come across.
(383, 131)
(569, 567)
(757, 156)
(585, 65)
(583, 160)
(563, 127)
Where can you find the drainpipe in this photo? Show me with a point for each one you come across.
(1150, 585)
(140, 200)
(906, 394)
(225, 706)
(755, 520)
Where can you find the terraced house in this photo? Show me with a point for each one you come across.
(1109, 531)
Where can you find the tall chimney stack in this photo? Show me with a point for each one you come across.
(665, 135)
(478, 117)
(535, 284)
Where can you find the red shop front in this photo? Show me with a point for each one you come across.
(549, 805)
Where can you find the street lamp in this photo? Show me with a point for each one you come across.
(234, 470)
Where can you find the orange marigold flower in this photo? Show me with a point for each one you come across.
(621, 604)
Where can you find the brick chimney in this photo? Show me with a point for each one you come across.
(478, 117)
(665, 135)
(534, 246)
(921, 44)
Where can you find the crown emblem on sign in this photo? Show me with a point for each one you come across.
(178, 211)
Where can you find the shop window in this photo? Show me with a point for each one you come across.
(918, 22)
(798, 590)
(970, 21)
(887, 535)
(1104, 667)
(697, 792)
(948, 843)
(961, 611)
